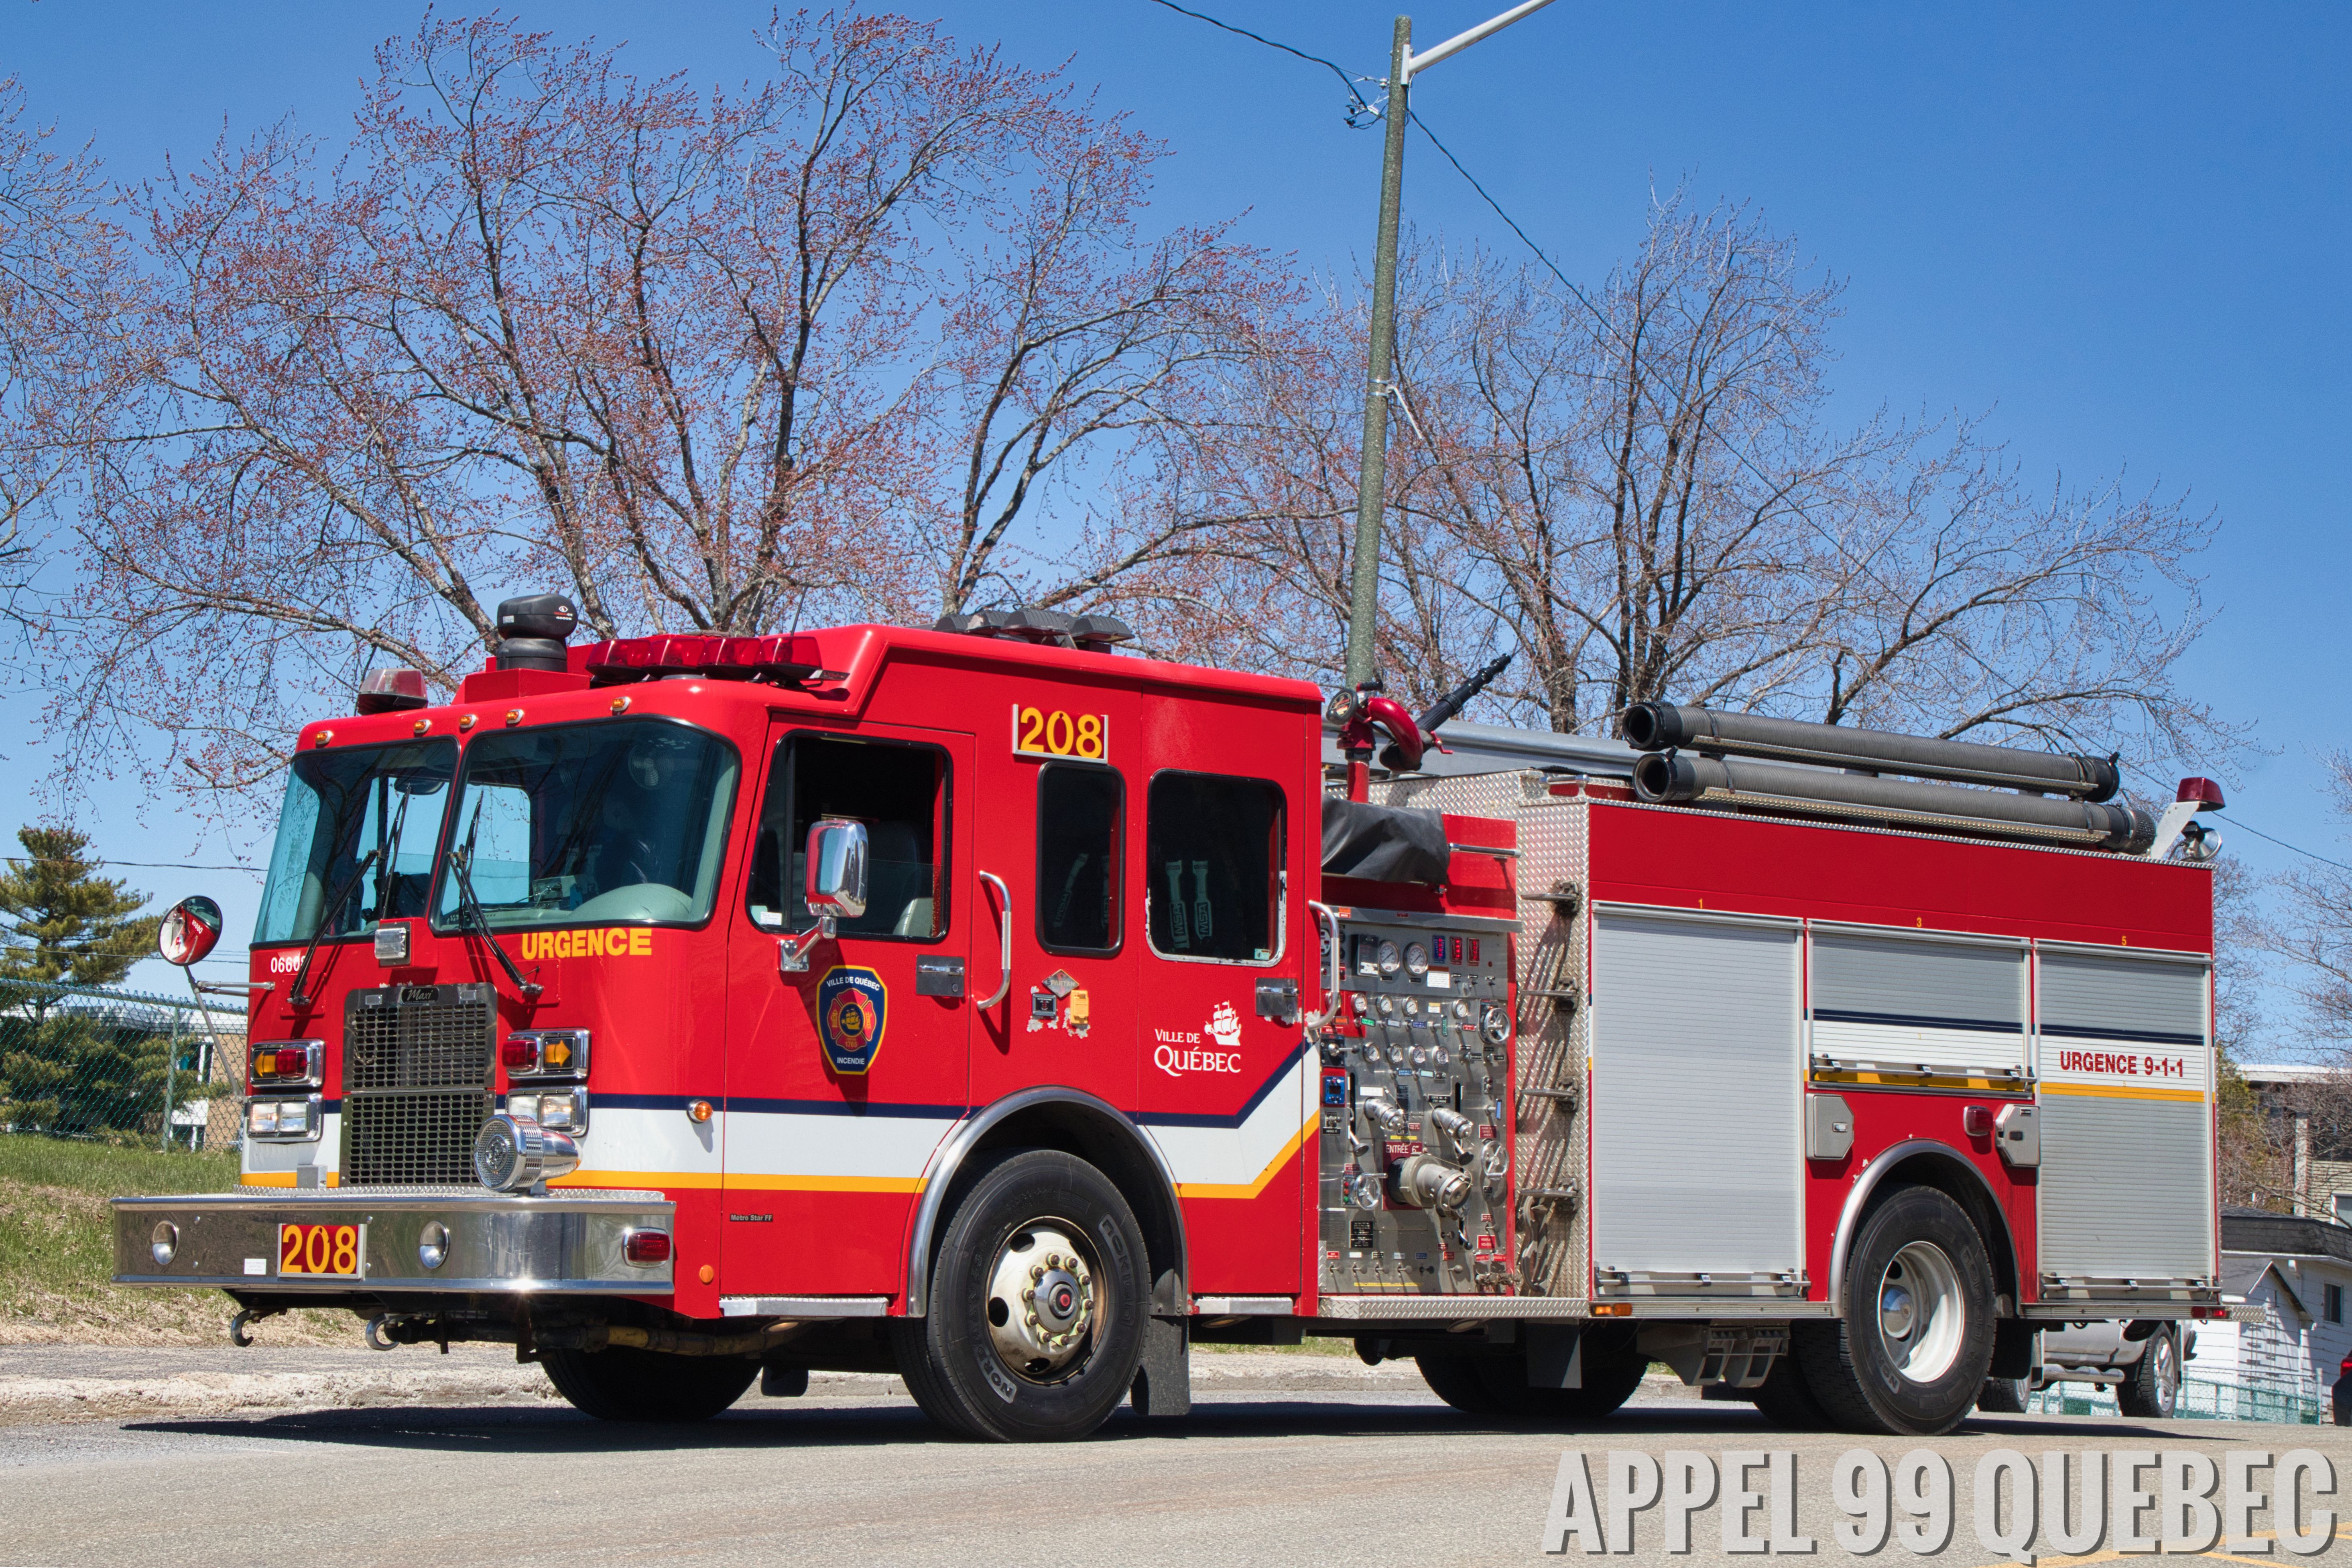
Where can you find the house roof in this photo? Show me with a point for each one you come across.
(2283, 1234)
(2242, 1272)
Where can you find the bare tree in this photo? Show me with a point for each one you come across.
(1640, 489)
(710, 362)
(2310, 927)
(60, 269)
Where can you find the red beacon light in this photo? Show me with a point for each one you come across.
(390, 691)
(781, 658)
(2205, 792)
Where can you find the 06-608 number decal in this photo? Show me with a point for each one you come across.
(1050, 732)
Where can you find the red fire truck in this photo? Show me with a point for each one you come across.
(991, 1005)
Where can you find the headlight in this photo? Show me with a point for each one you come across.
(1390, 960)
(513, 1153)
(284, 1120)
(565, 1110)
(1416, 960)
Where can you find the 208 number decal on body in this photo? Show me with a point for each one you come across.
(1039, 733)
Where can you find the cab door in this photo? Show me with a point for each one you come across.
(842, 1078)
(1052, 903)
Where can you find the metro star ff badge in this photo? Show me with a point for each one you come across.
(852, 1005)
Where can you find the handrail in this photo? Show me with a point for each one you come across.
(1326, 915)
(1004, 933)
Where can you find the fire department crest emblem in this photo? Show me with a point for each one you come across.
(852, 1005)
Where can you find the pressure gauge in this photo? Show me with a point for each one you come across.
(1396, 1056)
(1390, 960)
(1462, 1010)
(1440, 1054)
(1388, 1006)
(1416, 961)
(1420, 1057)
(1364, 1003)
(1495, 1024)
(1412, 1008)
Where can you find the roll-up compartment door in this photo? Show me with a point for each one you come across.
(1697, 1152)
(1892, 1003)
(2126, 1063)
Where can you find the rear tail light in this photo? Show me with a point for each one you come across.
(647, 1247)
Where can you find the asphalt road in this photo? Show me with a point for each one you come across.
(1387, 1477)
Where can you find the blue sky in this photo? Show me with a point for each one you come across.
(2121, 229)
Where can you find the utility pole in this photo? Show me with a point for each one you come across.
(1372, 470)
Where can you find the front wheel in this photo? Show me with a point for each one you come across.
(2152, 1392)
(1036, 1306)
(647, 1386)
(1909, 1356)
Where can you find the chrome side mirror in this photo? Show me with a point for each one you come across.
(835, 890)
(836, 869)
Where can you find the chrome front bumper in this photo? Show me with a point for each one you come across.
(570, 1242)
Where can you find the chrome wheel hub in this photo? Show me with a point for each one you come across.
(1922, 1312)
(1042, 1301)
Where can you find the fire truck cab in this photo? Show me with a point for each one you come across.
(985, 1004)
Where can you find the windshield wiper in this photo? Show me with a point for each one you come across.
(327, 918)
(469, 908)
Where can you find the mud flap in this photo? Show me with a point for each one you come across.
(2015, 1347)
(1163, 1373)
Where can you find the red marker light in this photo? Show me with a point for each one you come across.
(519, 1055)
(647, 1246)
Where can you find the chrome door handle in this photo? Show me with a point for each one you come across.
(1004, 933)
(1325, 916)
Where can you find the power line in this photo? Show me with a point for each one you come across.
(1345, 79)
(2241, 822)
(142, 865)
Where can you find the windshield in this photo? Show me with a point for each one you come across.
(339, 806)
(592, 823)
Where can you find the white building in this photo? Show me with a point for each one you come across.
(2299, 1271)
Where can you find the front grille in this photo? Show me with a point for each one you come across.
(416, 1082)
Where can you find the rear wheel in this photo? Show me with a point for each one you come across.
(1037, 1302)
(1909, 1356)
(2152, 1392)
(647, 1386)
(1786, 1400)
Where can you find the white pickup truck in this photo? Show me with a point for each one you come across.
(2142, 1359)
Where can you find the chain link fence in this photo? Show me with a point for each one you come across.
(109, 1065)
(2201, 1399)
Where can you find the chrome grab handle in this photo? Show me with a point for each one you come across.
(1004, 932)
(1326, 916)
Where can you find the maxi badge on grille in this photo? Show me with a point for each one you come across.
(851, 1007)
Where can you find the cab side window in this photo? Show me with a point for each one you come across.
(898, 790)
(1213, 864)
(1079, 812)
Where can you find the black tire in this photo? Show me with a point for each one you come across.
(1938, 1305)
(1456, 1380)
(1023, 1204)
(2003, 1396)
(1786, 1400)
(647, 1386)
(2152, 1392)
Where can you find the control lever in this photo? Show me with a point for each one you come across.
(1456, 1126)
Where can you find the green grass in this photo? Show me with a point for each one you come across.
(57, 1250)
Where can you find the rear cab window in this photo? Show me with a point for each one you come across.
(1213, 867)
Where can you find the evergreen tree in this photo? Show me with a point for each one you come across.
(61, 921)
